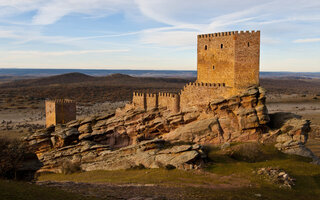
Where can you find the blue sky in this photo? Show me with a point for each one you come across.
(152, 34)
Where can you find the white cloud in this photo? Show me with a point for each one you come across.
(63, 53)
(172, 38)
(216, 16)
(50, 11)
(307, 40)
(180, 16)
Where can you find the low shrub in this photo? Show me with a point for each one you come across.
(68, 167)
(140, 166)
(170, 167)
(248, 152)
(12, 155)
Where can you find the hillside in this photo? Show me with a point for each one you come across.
(119, 87)
(86, 89)
(58, 79)
(291, 86)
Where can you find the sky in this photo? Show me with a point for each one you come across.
(152, 34)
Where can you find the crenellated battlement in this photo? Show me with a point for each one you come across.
(213, 85)
(151, 95)
(61, 101)
(230, 33)
(167, 94)
(190, 94)
(138, 94)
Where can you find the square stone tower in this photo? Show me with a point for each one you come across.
(231, 58)
(60, 111)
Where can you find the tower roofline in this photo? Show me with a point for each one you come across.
(229, 33)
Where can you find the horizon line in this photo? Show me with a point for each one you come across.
(123, 69)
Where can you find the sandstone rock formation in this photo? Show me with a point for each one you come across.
(290, 135)
(157, 137)
(150, 154)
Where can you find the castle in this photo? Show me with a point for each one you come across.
(228, 63)
(60, 111)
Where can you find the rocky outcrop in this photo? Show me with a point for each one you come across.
(150, 154)
(118, 140)
(131, 137)
(239, 118)
(290, 135)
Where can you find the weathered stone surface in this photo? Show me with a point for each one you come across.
(223, 120)
(150, 154)
(199, 131)
(291, 135)
(86, 128)
(129, 137)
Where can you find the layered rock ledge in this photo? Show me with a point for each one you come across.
(154, 138)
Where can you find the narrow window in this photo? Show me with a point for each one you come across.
(213, 67)
(205, 47)
(248, 44)
(221, 46)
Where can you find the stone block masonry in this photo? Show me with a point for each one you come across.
(201, 94)
(60, 111)
(151, 101)
(229, 57)
(170, 101)
(139, 100)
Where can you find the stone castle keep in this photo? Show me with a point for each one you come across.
(228, 63)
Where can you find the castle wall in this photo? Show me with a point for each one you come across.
(50, 113)
(139, 100)
(60, 111)
(247, 57)
(151, 101)
(201, 94)
(216, 58)
(170, 101)
(148, 101)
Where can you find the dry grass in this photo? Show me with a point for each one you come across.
(224, 178)
(11, 190)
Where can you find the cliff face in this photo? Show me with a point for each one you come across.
(153, 138)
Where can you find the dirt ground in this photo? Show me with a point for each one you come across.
(143, 191)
